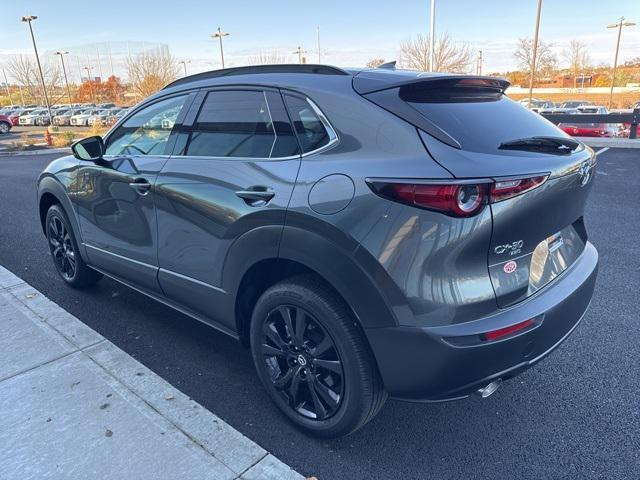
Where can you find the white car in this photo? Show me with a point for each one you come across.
(30, 118)
(82, 119)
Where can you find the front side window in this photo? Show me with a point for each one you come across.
(313, 130)
(147, 131)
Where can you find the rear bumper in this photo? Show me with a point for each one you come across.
(428, 364)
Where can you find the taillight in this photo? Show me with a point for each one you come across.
(503, 189)
(464, 199)
(456, 200)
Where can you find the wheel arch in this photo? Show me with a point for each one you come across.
(249, 271)
(51, 192)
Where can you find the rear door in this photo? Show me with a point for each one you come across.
(233, 171)
(476, 132)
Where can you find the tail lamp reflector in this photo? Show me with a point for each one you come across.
(506, 331)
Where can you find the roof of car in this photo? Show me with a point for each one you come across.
(365, 80)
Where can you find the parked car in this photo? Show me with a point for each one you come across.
(64, 118)
(82, 119)
(365, 232)
(115, 115)
(15, 115)
(99, 117)
(5, 124)
(33, 117)
(593, 109)
(590, 129)
(574, 103)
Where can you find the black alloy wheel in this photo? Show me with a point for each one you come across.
(303, 362)
(62, 251)
(313, 358)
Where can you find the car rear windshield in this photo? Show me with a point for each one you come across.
(479, 123)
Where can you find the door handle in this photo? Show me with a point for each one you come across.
(256, 196)
(141, 186)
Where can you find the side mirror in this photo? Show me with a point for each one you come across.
(90, 149)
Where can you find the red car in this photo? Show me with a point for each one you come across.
(5, 124)
(589, 129)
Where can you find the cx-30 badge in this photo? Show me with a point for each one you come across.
(512, 248)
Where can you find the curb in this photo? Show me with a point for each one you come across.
(41, 151)
(609, 142)
(232, 452)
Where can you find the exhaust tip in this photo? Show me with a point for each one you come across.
(490, 388)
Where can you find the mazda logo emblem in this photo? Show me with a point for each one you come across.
(585, 173)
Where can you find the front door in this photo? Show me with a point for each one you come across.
(115, 199)
(232, 172)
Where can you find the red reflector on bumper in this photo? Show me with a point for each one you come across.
(503, 332)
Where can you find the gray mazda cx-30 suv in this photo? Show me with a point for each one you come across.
(365, 232)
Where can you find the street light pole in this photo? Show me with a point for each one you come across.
(299, 51)
(88, 69)
(432, 35)
(534, 52)
(6, 84)
(619, 26)
(184, 64)
(319, 45)
(219, 34)
(29, 19)
(64, 71)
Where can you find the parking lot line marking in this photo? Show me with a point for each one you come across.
(602, 151)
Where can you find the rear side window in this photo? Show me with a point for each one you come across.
(312, 129)
(479, 123)
(233, 124)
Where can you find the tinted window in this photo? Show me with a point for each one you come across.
(309, 127)
(482, 124)
(233, 124)
(147, 131)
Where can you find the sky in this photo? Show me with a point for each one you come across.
(351, 32)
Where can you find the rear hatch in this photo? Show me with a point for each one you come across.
(473, 130)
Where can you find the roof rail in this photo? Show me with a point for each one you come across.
(257, 69)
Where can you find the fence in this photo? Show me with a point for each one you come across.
(633, 118)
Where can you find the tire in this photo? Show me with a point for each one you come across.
(5, 127)
(328, 360)
(64, 250)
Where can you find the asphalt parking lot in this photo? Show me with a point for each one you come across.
(574, 415)
(37, 133)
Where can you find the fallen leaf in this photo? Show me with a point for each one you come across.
(169, 397)
(104, 406)
(108, 433)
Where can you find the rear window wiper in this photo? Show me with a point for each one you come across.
(555, 145)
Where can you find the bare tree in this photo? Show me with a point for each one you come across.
(375, 62)
(267, 58)
(577, 56)
(25, 73)
(150, 71)
(546, 60)
(449, 56)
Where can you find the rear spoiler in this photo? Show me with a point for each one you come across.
(389, 92)
(370, 81)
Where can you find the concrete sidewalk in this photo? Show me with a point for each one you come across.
(74, 406)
